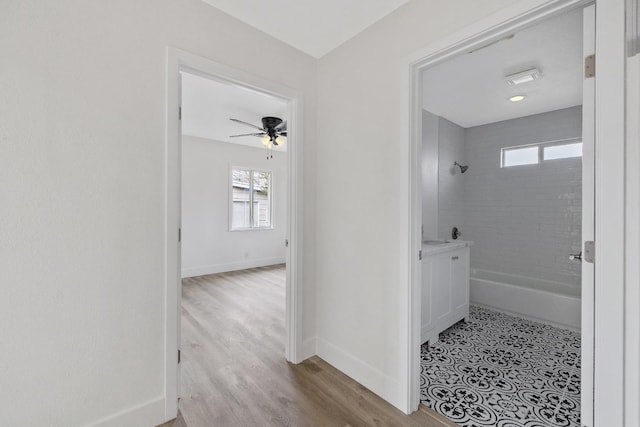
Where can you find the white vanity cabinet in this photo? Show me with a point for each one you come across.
(445, 287)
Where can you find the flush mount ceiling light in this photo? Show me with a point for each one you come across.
(522, 77)
(517, 98)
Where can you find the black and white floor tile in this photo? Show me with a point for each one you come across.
(501, 370)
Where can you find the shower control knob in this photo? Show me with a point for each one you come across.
(455, 233)
(576, 257)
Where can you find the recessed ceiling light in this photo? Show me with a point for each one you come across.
(517, 98)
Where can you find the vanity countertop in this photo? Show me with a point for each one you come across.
(432, 247)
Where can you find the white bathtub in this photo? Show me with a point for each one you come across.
(545, 301)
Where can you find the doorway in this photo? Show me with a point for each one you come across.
(234, 178)
(233, 231)
(178, 62)
(492, 183)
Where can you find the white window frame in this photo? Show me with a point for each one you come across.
(541, 146)
(251, 202)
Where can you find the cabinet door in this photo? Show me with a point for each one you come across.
(460, 278)
(441, 286)
(427, 280)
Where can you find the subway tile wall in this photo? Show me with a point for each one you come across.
(524, 220)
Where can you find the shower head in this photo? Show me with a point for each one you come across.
(463, 169)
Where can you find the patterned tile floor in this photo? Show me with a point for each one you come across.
(501, 370)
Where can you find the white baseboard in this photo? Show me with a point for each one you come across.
(233, 266)
(309, 348)
(373, 379)
(148, 414)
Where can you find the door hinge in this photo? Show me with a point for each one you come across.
(589, 253)
(180, 113)
(420, 255)
(179, 234)
(590, 66)
(179, 356)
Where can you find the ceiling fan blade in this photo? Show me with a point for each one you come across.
(282, 126)
(248, 134)
(283, 133)
(248, 124)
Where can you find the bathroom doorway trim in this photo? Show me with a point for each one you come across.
(608, 402)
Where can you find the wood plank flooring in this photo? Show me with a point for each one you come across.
(234, 372)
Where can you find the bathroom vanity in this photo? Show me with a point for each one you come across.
(445, 286)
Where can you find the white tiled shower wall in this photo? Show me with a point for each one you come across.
(524, 220)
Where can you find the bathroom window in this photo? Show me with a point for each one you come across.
(532, 154)
(250, 205)
(562, 151)
(518, 156)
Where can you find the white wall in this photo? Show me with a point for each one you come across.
(82, 160)
(632, 273)
(429, 166)
(81, 181)
(442, 183)
(524, 220)
(362, 241)
(207, 244)
(451, 181)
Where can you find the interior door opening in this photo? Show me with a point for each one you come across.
(234, 227)
(507, 200)
(241, 222)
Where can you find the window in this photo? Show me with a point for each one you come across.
(533, 154)
(516, 156)
(564, 151)
(250, 199)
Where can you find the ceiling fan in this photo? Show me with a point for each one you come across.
(272, 132)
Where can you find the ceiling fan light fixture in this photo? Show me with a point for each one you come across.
(272, 133)
(517, 98)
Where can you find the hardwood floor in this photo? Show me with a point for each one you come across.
(234, 372)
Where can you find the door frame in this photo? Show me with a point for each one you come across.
(179, 60)
(588, 221)
(609, 201)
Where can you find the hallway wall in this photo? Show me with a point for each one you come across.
(82, 166)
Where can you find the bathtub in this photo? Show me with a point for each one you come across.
(554, 303)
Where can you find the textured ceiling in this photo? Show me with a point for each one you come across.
(313, 26)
